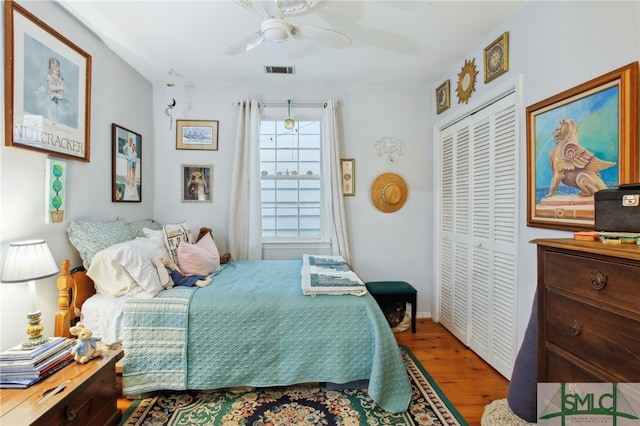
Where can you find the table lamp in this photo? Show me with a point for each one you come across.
(28, 261)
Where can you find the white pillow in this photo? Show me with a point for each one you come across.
(109, 277)
(127, 268)
(157, 236)
(201, 258)
(174, 234)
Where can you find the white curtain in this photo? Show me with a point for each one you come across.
(245, 224)
(333, 193)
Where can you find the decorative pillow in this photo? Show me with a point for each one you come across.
(174, 234)
(127, 268)
(137, 227)
(89, 236)
(201, 258)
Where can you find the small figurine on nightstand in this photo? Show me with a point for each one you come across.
(87, 346)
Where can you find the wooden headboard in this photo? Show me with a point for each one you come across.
(74, 287)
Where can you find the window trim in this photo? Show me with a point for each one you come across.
(323, 241)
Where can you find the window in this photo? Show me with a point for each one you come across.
(291, 180)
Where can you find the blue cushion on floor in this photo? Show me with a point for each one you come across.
(523, 389)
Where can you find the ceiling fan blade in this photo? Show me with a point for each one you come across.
(244, 45)
(267, 8)
(326, 36)
(257, 6)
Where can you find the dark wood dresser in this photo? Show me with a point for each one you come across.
(588, 311)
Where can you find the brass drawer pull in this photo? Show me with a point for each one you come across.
(598, 280)
(574, 328)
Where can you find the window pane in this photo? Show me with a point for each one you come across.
(309, 141)
(309, 156)
(309, 127)
(291, 182)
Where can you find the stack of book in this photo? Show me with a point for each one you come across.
(20, 368)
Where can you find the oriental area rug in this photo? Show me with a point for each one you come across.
(304, 405)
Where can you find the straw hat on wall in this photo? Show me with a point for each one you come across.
(389, 192)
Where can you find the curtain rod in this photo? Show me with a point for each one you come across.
(275, 104)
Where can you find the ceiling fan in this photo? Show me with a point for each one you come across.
(277, 29)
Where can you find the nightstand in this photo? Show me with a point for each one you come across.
(90, 398)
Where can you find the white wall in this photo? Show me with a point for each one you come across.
(119, 95)
(555, 46)
(386, 246)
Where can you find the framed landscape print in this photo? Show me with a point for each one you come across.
(197, 183)
(47, 88)
(126, 165)
(197, 134)
(579, 142)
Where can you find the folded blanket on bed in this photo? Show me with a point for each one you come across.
(155, 331)
(329, 275)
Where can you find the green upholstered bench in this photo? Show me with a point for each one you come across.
(395, 291)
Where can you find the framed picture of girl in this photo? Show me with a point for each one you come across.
(48, 88)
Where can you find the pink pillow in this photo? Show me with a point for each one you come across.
(201, 258)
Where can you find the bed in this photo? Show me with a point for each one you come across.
(251, 326)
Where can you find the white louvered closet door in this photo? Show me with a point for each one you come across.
(477, 211)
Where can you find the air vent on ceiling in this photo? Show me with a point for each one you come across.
(269, 69)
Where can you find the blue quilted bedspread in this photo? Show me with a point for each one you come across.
(252, 326)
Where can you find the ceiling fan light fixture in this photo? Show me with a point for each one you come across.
(275, 29)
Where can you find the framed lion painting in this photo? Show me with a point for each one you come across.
(579, 142)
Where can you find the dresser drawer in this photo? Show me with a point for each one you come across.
(563, 370)
(96, 403)
(602, 338)
(614, 284)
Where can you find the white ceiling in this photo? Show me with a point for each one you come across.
(404, 44)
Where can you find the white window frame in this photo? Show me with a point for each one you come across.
(286, 247)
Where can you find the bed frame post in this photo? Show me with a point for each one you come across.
(63, 316)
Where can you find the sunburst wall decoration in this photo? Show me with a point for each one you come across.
(466, 81)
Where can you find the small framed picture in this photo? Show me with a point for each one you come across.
(197, 183)
(197, 134)
(348, 167)
(126, 165)
(496, 58)
(55, 192)
(443, 97)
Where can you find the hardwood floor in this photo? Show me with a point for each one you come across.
(466, 379)
(468, 382)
